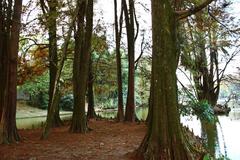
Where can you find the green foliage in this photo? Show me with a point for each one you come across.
(203, 110)
(191, 106)
(142, 113)
(105, 79)
(66, 102)
(38, 90)
(221, 157)
(108, 103)
(207, 157)
(143, 76)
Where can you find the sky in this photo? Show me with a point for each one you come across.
(144, 18)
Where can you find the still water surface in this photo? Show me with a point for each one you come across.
(228, 133)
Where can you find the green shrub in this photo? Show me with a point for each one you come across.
(66, 102)
(37, 88)
(202, 109)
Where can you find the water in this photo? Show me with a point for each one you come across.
(141, 113)
(37, 121)
(228, 133)
(231, 132)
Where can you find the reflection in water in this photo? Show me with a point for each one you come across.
(210, 136)
(234, 114)
(141, 113)
(231, 132)
(107, 113)
(228, 131)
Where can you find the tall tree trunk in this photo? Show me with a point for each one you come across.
(8, 129)
(53, 117)
(129, 19)
(57, 122)
(207, 80)
(53, 110)
(164, 138)
(80, 65)
(53, 61)
(118, 32)
(210, 136)
(1, 56)
(91, 112)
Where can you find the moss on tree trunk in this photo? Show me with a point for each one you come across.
(164, 139)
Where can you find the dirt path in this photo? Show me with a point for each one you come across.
(107, 141)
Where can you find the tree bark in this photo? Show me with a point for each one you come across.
(57, 122)
(118, 31)
(51, 112)
(206, 77)
(53, 61)
(8, 129)
(210, 136)
(80, 65)
(129, 20)
(1, 55)
(164, 138)
(53, 117)
(91, 112)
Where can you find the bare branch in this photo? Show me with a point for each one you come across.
(186, 13)
(142, 50)
(137, 24)
(221, 74)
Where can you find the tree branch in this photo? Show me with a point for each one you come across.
(186, 13)
(137, 24)
(142, 50)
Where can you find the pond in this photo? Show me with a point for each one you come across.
(228, 131)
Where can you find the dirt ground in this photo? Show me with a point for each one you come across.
(107, 141)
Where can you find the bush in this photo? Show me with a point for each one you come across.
(66, 102)
(37, 88)
(202, 109)
(39, 100)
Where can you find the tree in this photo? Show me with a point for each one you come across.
(55, 95)
(50, 14)
(32, 65)
(204, 42)
(164, 138)
(90, 94)
(118, 32)
(206, 39)
(129, 13)
(82, 54)
(10, 18)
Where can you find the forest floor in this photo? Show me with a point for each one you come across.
(107, 141)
